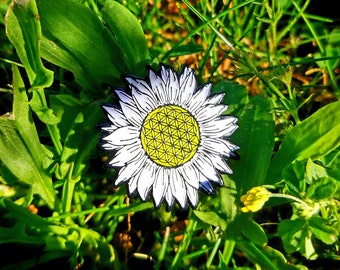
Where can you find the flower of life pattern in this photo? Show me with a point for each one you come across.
(170, 136)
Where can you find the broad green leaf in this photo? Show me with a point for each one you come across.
(332, 164)
(45, 114)
(22, 214)
(94, 53)
(322, 188)
(211, 218)
(81, 139)
(296, 236)
(228, 201)
(24, 31)
(314, 137)
(128, 36)
(75, 39)
(20, 148)
(322, 230)
(20, 217)
(18, 159)
(255, 137)
(88, 142)
(65, 108)
(56, 240)
(254, 232)
(314, 171)
(23, 118)
(17, 235)
(279, 259)
(236, 95)
(294, 174)
(308, 249)
(290, 232)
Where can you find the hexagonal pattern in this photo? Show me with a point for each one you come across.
(170, 136)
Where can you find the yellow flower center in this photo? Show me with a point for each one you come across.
(170, 136)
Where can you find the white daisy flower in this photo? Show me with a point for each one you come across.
(169, 137)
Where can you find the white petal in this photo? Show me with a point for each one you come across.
(223, 127)
(115, 116)
(164, 73)
(109, 146)
(158, 86)
(130, 170)
(190, 174)
(209, 112)
(126, 154)
(219, 163)
(160, 186)
(144, 102)
(172, 85)
(205, 166)
(232, 146)
(178, 187)
(186, 71)
(124, 97)
(146, 179)
(141, 86)
(165, 78)
(206, 185)
(123, 136)
(168, 197)
(218, 146)
(192, 194)
(132, 114)
(215, 99)
(187, 84)
(110, 128)
(199, 98)
(132, 184)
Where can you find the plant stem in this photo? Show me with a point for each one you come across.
(52, 129)
(320, 45)
(213, 253)
(67, 195)
(183, 247)
(163, 248)
(199, 15)
(228, 250)
(256, 255)
(287, 196)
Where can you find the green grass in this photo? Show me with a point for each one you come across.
(277, 62)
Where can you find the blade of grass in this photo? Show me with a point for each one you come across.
(163, 248)
(201, 17)
(228, 250)
(213, 253)
(199, 28)
(256, 255)
(118, 210)
(320, 45)
(183, 247)
(293, 22)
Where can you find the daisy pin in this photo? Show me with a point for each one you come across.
(169, 137)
